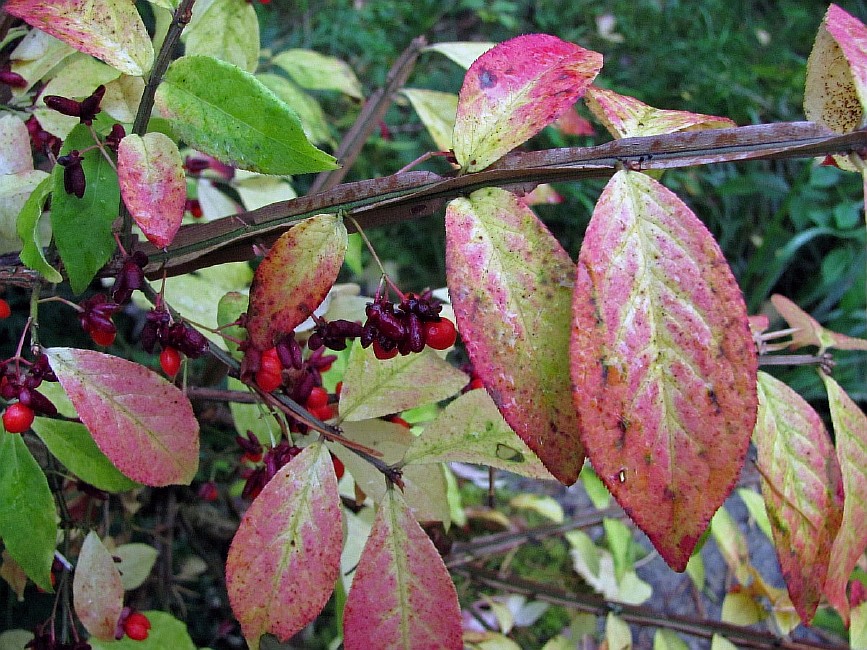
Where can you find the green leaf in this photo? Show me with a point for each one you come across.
(27, 513)
(317, 71)
(309, 111)
(136, 562)
(619, 538)
(224, 29)
(471, 430)
(82, 227)
(166, 632)
(28, 231)
(230, 308)
(437, 112)
(374, 387)
(227, 113)
(72, 444)
(756, 506)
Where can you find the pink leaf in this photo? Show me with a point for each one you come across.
(295, 277)
(285, 557)
(143, 423)
(810, 332)
(153, 185)
(626, 117)
(97, 590)
(571, 123)
(516, 89)
(402, 596)
(850, 434)
(836, 88)
(510, 282)
(802, 488)
(110, 30)
(663, 362)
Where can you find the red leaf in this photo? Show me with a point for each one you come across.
(153, 186)
(110, 30)
(285, 557)
(97, 590)
(626, 117)
(802, 488)
(510, 282)
(663, 362)
(402, 596)
(516, 89)
(295, 277)
(850, 435)
(143, 423)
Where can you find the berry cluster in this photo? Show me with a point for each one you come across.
(19, 380)
(272, 461)
(41, 139)
(95, 318)
(408, 327)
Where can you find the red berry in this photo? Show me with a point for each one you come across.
(5, 309)
(270, 362)
(102, 337)
(339, 469)
(317, 399)
(323, 412)
(475, 383)
(268, 381)
(170, 361)
(136, 626)
(252, 457)
(381, 353)
(441, 334)
(17, 418)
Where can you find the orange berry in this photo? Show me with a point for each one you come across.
(17, 418)
(136, 626)
(170, 361)
(102, 337)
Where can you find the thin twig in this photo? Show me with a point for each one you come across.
(638, 615)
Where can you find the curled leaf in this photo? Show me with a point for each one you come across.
(836, 87)
(285, 557)
(402, 596)
(663, 362)
(110, 30)
(810, 332)
(516, 89)
(143, 423)
(152, 184)
(627, 117)
(294, 278)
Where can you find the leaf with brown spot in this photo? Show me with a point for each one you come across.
(836, 87)
(802, 487)
(516, 89)
(663, 362)
(511, 282)
(295, 277)
(285, 558)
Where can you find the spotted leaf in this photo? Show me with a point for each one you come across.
(96, 589)
(663, 363)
